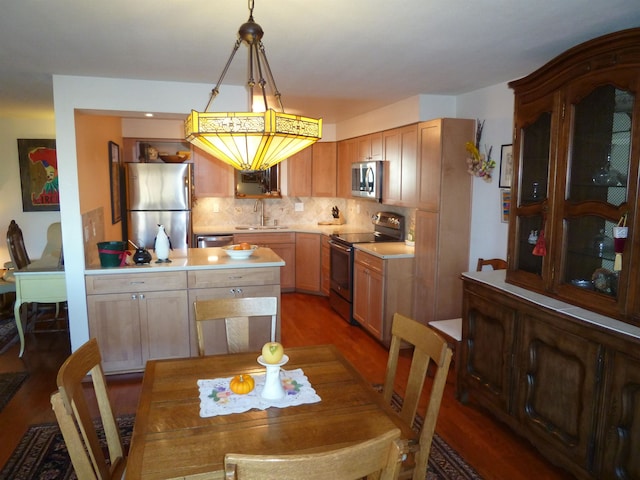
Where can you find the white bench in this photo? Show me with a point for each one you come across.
(451, 330)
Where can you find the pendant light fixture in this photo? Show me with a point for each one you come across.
(254, 140)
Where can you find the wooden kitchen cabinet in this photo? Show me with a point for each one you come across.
(213, 177)
(400, 166)
(368, 288)
(370, 147)
(576, 154)
(299, 173)
(325, 265)
(138, 317)
(308, 262)
(324, 169)
(312, 171)
(284, 245)
(232, 283)
(380, 289)
(347, 154)
(443, 221)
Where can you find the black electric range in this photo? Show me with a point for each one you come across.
(388, 227)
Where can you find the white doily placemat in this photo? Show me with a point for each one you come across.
(217, 399)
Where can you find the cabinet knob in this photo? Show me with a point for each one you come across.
(141, 296)
(134, 297)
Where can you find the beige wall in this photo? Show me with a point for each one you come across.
(93, 134)
(33, 224)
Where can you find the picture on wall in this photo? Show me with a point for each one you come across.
(506, 166)
(505, 200)
(38, 175)
(114, 176)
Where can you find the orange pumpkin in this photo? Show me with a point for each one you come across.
(242, 384)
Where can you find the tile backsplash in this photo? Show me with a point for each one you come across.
(209, 211)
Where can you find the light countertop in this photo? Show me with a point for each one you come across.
(195, 259)
(496, 278)
(380, 249)
(387, 250)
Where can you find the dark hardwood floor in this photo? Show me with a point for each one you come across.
(486, 444)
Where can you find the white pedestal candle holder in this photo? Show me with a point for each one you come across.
(273, 389)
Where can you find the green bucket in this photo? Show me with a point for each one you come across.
(111, 253)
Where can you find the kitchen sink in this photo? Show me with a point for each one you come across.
(261, 227)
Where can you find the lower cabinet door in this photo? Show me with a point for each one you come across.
(165, 324)
(368, 299)
(114, 320)
(622, 413)
(487, 372)
(557, 395)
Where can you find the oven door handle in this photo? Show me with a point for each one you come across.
(340, 247)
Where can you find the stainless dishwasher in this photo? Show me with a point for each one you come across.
(204, 241)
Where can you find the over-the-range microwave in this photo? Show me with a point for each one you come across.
(366, 180)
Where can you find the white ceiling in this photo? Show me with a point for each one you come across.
(330, 58)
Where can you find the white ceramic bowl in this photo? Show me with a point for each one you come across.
(239, 254)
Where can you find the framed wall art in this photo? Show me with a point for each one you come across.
(38, 175)
(506, 166)
(114, 177)
(505, 203)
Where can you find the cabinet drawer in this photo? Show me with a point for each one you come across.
(265, 238)
(135, 282)
(233, 277)
(370, 261)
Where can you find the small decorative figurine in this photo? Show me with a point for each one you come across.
(162, 245)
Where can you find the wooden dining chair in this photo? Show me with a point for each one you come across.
(495, 263)
(236, 313)
(17, 250)
(428, 347)
(71, 405)
(377, 458)
(50, 258)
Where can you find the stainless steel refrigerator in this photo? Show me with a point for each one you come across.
(159, 194)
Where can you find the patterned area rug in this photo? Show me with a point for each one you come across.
(8, 333)
(9, 385)
(42, 454)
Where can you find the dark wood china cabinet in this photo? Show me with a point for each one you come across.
(552, 347)
(576, 148)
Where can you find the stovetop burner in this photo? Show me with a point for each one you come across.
(388, 227)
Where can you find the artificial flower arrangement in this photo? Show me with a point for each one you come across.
(480, 165)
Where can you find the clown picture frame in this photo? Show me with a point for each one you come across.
(38, 175)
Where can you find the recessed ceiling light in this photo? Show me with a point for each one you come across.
(148, 114)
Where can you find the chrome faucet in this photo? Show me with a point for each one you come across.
(255, 209)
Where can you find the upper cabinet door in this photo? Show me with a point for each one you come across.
(597, 187)
(531, 228)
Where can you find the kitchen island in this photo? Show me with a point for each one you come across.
(144, 312)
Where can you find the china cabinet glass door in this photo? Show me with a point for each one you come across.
(532, 160)
(597, 188)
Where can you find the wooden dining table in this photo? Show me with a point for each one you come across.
(171, 440)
